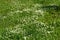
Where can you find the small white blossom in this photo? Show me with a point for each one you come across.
(24, 38)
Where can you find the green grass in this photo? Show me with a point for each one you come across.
(25, 20)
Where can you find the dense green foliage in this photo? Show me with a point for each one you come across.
(25, 20)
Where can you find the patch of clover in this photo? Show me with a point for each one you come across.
(34, 9)
(29, 26)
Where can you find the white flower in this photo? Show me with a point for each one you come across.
(39, 11)
(24, 38)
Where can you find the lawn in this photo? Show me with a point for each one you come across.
(26, 20)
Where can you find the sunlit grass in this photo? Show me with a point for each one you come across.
(25, 20)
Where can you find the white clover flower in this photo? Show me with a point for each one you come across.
(49, 32)
(16, 29)
(4, 17)
(39, 12)
(24, 38)
(27, 9)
